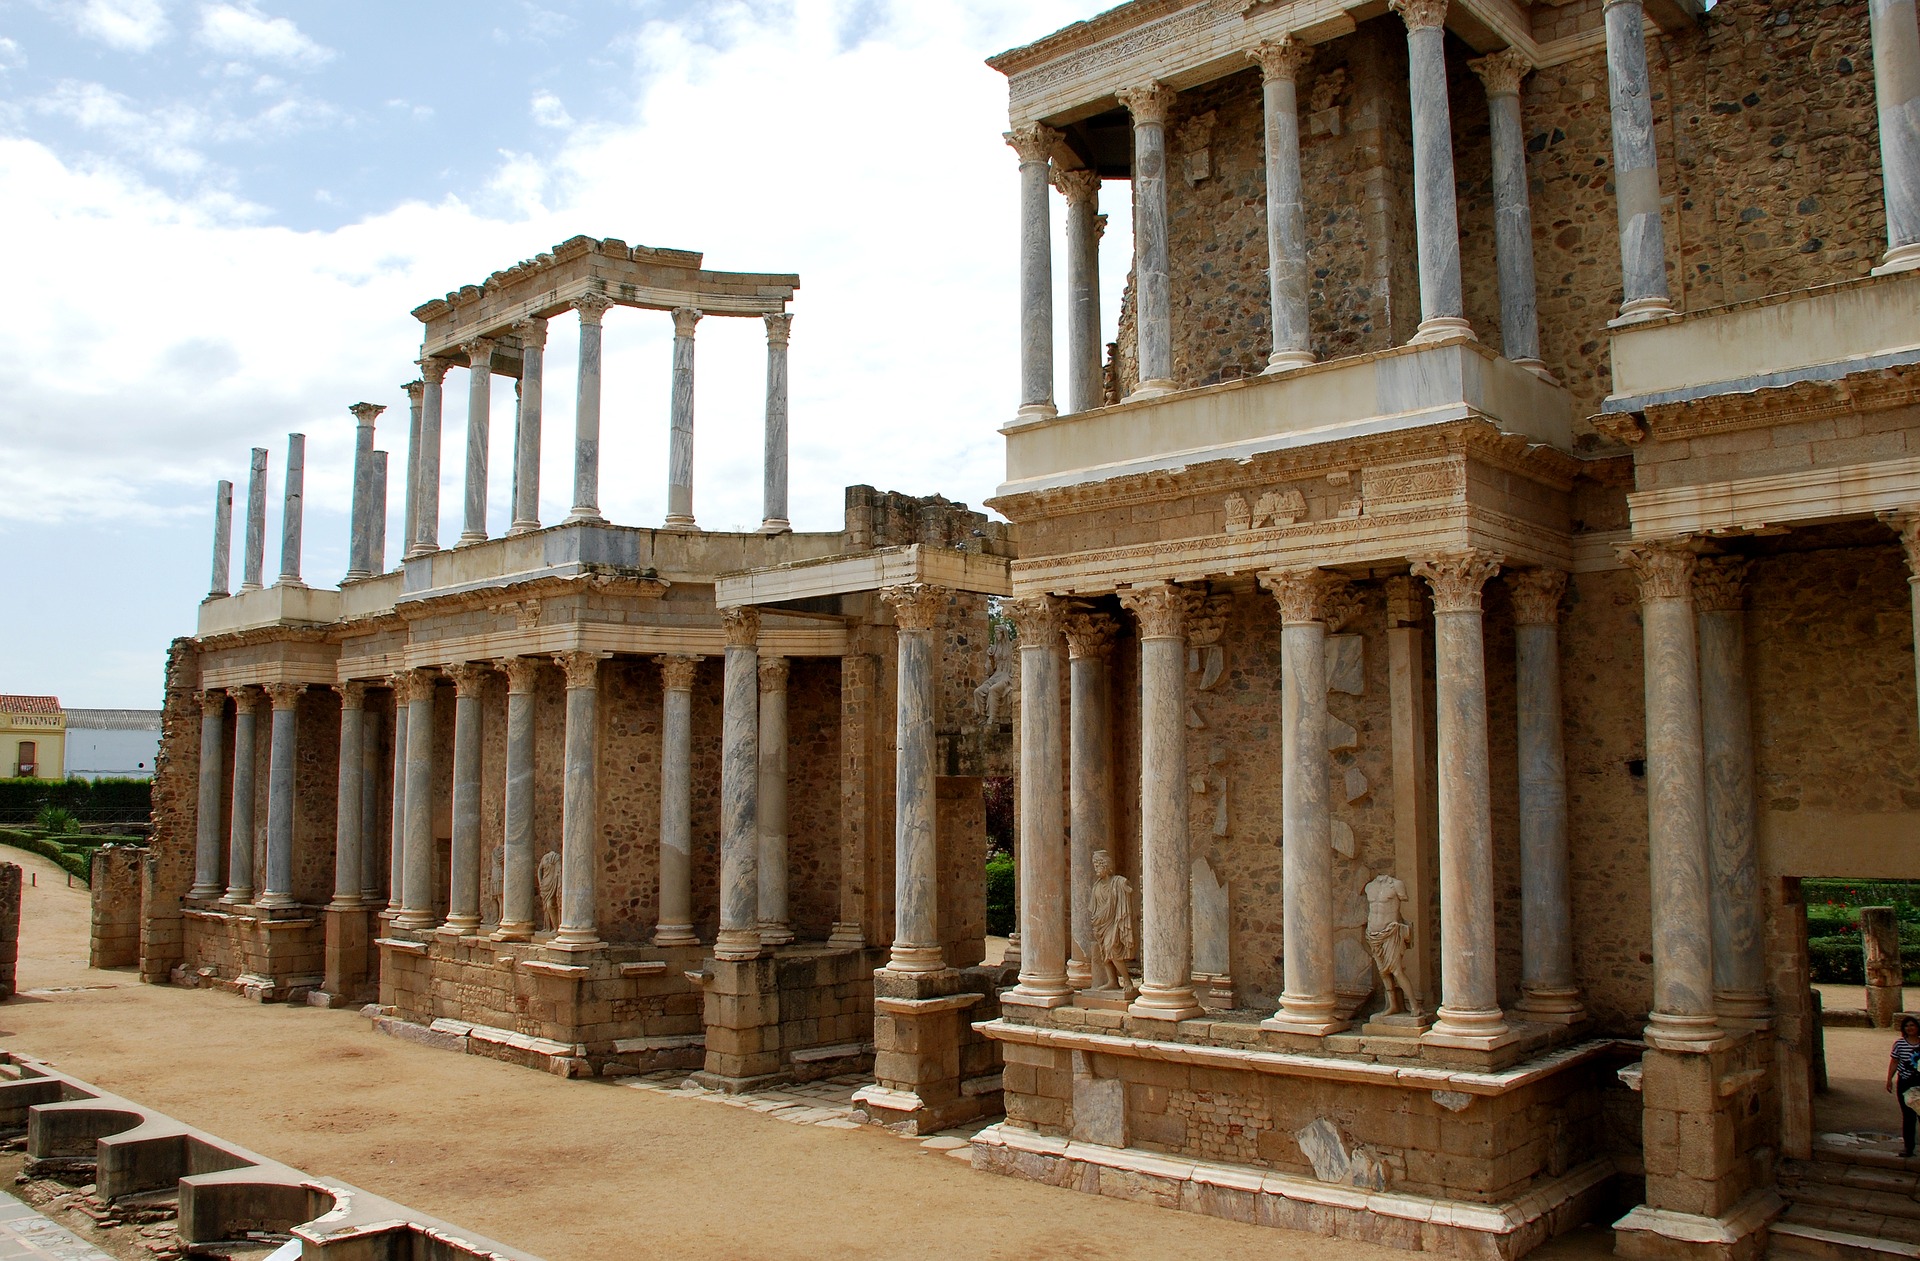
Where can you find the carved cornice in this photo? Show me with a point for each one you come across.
(917, 606)
(1421, 14)
(1038, 618)
(1502, 71)
(433, 369)
(1149, 103)
(1161, 609)
(531, 331)
(684, 318)
(1536, 596)
(773, 674)
(1283, 58)
(582, 667)
(1720, 584)
(779, 327)
(353, 695)
(366, 413)
(1858, 394)
(1081, 187)
(1305, 595)
(1665, 570)
(479, 354)
(677, 671)
(1034, 142)
(512, 597)
(469, 677)
(741, 625)
(1458, 578)
(1406, 601)
(523, 673)
(591, 307)
(284, 695)
(1089, 633)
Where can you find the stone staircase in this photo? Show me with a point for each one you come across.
(1862, 1208)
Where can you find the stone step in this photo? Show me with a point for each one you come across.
(1876, 1175)
(1899, 1205)
(1794, 1241)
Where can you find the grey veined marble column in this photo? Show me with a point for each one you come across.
(213, 746)
(360, 519)
(293, 510)
(580, 811)
(1512, 211)
(739, 936)
(917, 611)
(1280, 64)
(370, 808)
(282, 804)
(591, 307)
(416, 895)
(410, 497)
(222, 540)
(246, 708)
(1153, 309)
(1683, 1012)
(1636, 168)
(1044, 889)
(397, 822)
(253, 563)
(1546, 900)
(1086, 375)
(378, 514)
(463, 886)
(1307, 598)
(348, 823)
(425, 471)
(1469, 1012)
(517, 876)
(770, 806)
(1034, 143)
(1726, 745)
(526, 427)
(1166, 880)
(680, 424)
(1089, 775)
(1436, 214)
(676, 801)
(479, 421)
(774, 471)
(1896, 87)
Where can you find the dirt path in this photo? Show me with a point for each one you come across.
(573, 1171)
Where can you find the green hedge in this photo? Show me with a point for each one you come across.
(1000, 914)
(78, 795)
(76, 860)
(1840, 960)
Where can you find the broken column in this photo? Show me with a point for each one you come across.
(1880, 940)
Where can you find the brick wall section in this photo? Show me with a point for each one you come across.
(115, 940)
(176, 786)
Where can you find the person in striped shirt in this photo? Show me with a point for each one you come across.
(1903, 1073)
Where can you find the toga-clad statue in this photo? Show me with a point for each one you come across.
(1112, 927)
(549, 877)
(1388, 937)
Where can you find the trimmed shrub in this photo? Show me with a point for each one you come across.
(76, 861)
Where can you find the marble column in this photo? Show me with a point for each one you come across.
(1308, 599)
(1086, 369)
(253, 563)
(1896, 87)
(592, 307)
(370, 808)
(1166, 881)
(410, 496)
(526, 426)
(918, 610)
(479, 420)
(246, 708)
(1469, 1013)
(1436, 213)
(1416, 852)
(1512, 211)
(1034, 143)
(293, 510)
(416, 897)
(1045, 909)
(1906, 523)
(378, 514)
(213, 746)
(222, 540)
(773, 518)
(680, 424)
(282, 751)
(739, 936)
(676, 801)
(1726, 744)
(360, 518)
(1636, 167)
(397, 822)
(1683, 1012)
(1548, 989)
(1280, 64)
(463, 885)
(348, 823)
(517, 877)
(425, 472)
(580, 810)
(1089, 776)
(771, 803)
(1153, 287)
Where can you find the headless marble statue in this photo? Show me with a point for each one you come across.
(1388, 937)
(1112, 927)
(550, 888)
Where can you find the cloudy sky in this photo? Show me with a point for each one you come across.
(216, 215)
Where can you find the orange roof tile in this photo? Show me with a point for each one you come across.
(29, 704)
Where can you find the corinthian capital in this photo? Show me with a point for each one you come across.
(352, 695)
(523, 673)
(917, 606)
(1034, 142)
(415, 685)
(1308, 594)
(531, 331)
(1665, 570)
(773, 674)
(1090, 634)
(779, 326)
(1906, 523)
(366, 413)
(1421, 14)
(1720, 584)
(469, 677)
(1160, 609)
(582, 667)
(1502, 71)
(677, 672)
(414, 390)
(591, 306)
(433, 369)
(1457, 578)
(684, 318)
(213, 702)
(1282, 58)
(480, 354)
(285, 695)
(1536, 596)
(1149, 103)
(246, 700)
(1037, 618)
(1078, 187)
(742, 626)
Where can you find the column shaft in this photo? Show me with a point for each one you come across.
(1086, 374)
(1280, 65)
(1896, 86)
(517, 841)
(739, 781)
(1546, 897)
(347, 845)
(917, 609)
(410, 496)
(360, 518)
(222, 540)
(281, 803)
(1436, 213)
(774, 469)
(586, 411)
(1089, 777)
(292, 510)
(680, 432)
(1726, 742)
(463, 886)
(397, 822)
(246, 705)
(417, 885)
(1153, 287)
(1512, 212)
(479, 421)
(254, 562)
(377, 554)
(1044, 888)
(426, 471)
(770, 808)
(370, 807)
(526, 427)
(676, 802)
(213, 745)
(1034, 143)
(580, 814)
(1636, 168)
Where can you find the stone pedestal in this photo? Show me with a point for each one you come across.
(743, 1024)
(347, 940)
(920, 1023)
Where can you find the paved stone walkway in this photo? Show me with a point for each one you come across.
(827, 1103)
(27, 1236)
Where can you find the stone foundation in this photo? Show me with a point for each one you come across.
(115, 939)
(932, 1066)
(10, 882)
(268, 956)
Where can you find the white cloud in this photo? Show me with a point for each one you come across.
(240, 30)
(10, 54)
(133, 26)
(548, 111)
(164, 139)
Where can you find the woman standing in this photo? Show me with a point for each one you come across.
(1903, 1072)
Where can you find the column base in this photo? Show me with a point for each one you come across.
(775, 935)
(737, 945)
(678, 521)
(1642, 309)
(1538, 368)
(1173, 1003)
(1153, 387)
(1036, 411)
(513, 930)
(418, 550)
(1079, 975)
(349, 903)
(776, 525)
(206, 891)
(584, 516)
(675, 935)
(1401, 1024)
(522, 527)
(238, 896)
(469, 537)
(461, 924)
(916, 958)
(1899, 258)
(575, 939)
(1044, 999)
(1309, 1027)
(1741, 1010)
(413, 921)
(847, 934)
(1670, 1032)
(276, 902)
(1441, 328)
(1471, 1029)
(355, 575)
(1551, 1006)
(1287, 360)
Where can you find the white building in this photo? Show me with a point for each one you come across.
(112, 743)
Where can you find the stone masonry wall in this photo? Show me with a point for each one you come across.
(115, 941)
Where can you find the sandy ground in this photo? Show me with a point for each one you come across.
(572, 1171)
(1856, 1100)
